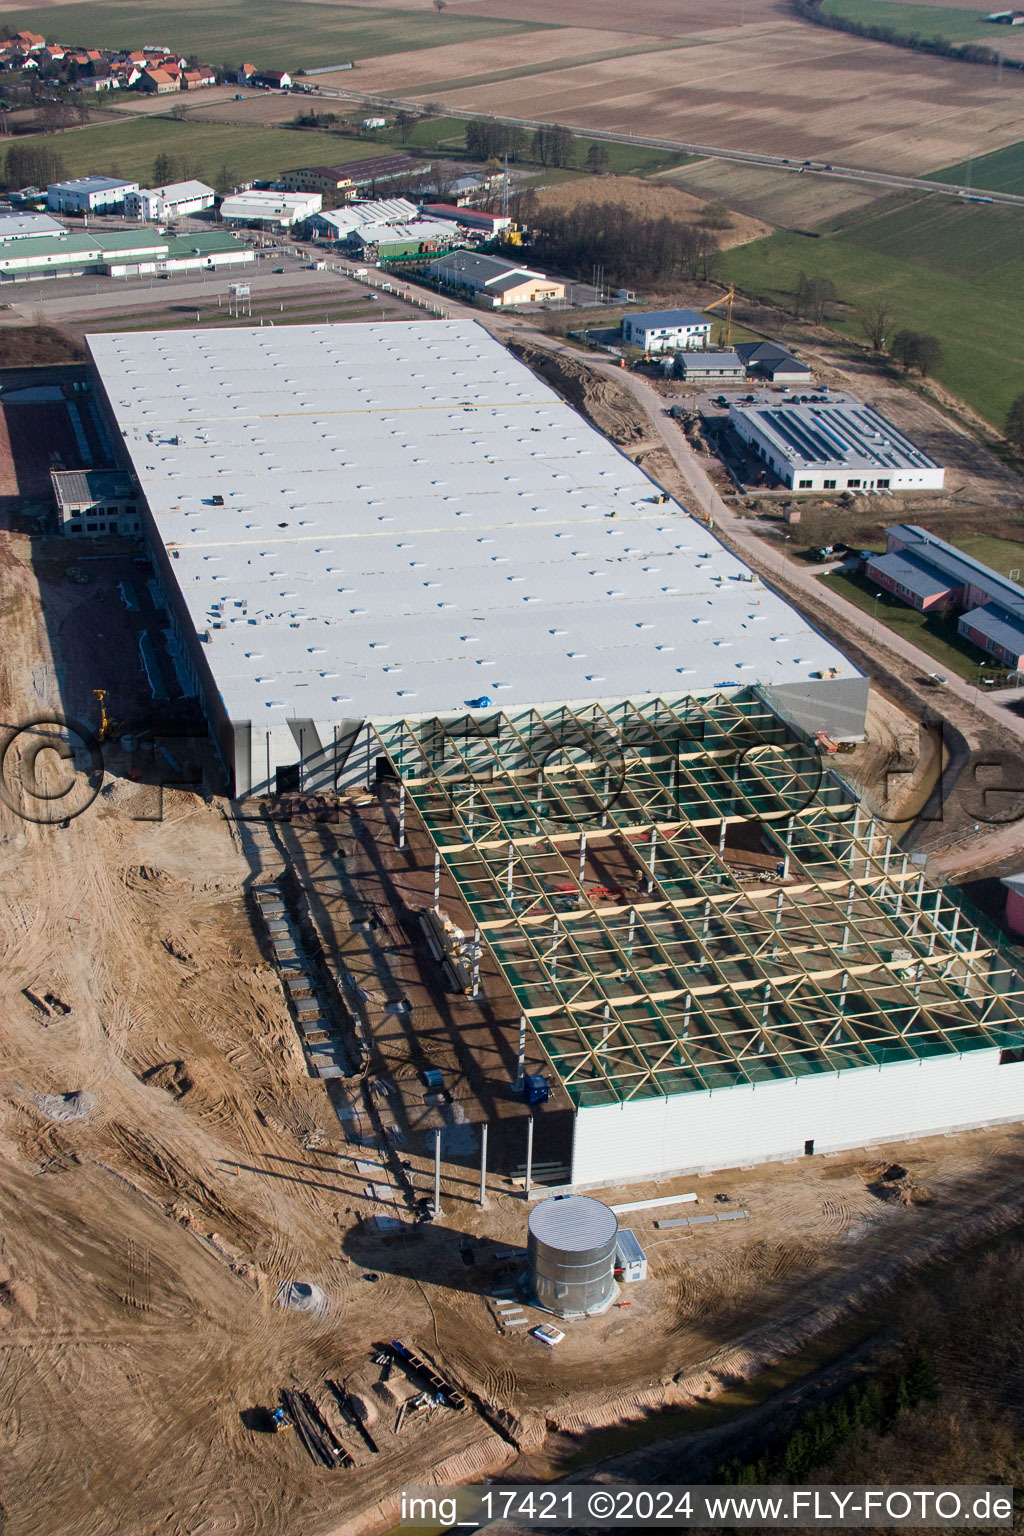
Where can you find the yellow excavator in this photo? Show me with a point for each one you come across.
(727, 300)
(108, 727)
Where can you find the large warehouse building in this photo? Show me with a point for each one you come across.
(393, 555)
(363, 521)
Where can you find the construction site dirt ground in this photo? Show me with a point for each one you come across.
(169, 1164)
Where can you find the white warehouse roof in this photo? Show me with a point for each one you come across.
(28, 226)
(271, 205)
(380, 210)
(179, 191)
(88, 184)
(411, 519)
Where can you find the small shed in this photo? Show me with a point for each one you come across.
(630, 1258)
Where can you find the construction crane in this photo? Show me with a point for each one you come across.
(727, 300)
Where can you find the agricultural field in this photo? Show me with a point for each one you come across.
(783, 198)
(1002, 171)
(917, 258)
(655, 18)
(129, 147)
(949, 21)
(945, 235)
(459, 64)
(568, 61)
(780, 86)
(291, 37)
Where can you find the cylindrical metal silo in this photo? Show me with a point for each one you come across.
(571, 1252)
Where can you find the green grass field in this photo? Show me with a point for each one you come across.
(128, 148)
(1001, 171)
(448, 135)
(949, 269)
(951, 22)
(946, 235)
(269, 35)
(935, 634)
(1003, 555)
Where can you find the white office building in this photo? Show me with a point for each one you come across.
(835, 445)
(89, 194)
(154, 204)
(666, 330)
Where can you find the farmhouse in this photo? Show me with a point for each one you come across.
(665, 330)
(494, 283)
(89, 194)
(389, 555)
(835, 446)
(931, 575)
(172, 202)
(160, 82)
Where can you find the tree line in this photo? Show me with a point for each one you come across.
(817, 1437)
(32, 165)
(967, 53)
(632, 250)
(557, 146)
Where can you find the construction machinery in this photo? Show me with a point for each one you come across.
(727, 299)
(108, 727)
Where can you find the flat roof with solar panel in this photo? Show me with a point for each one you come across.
(851, 443)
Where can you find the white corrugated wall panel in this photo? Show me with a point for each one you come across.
(622, 1143)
